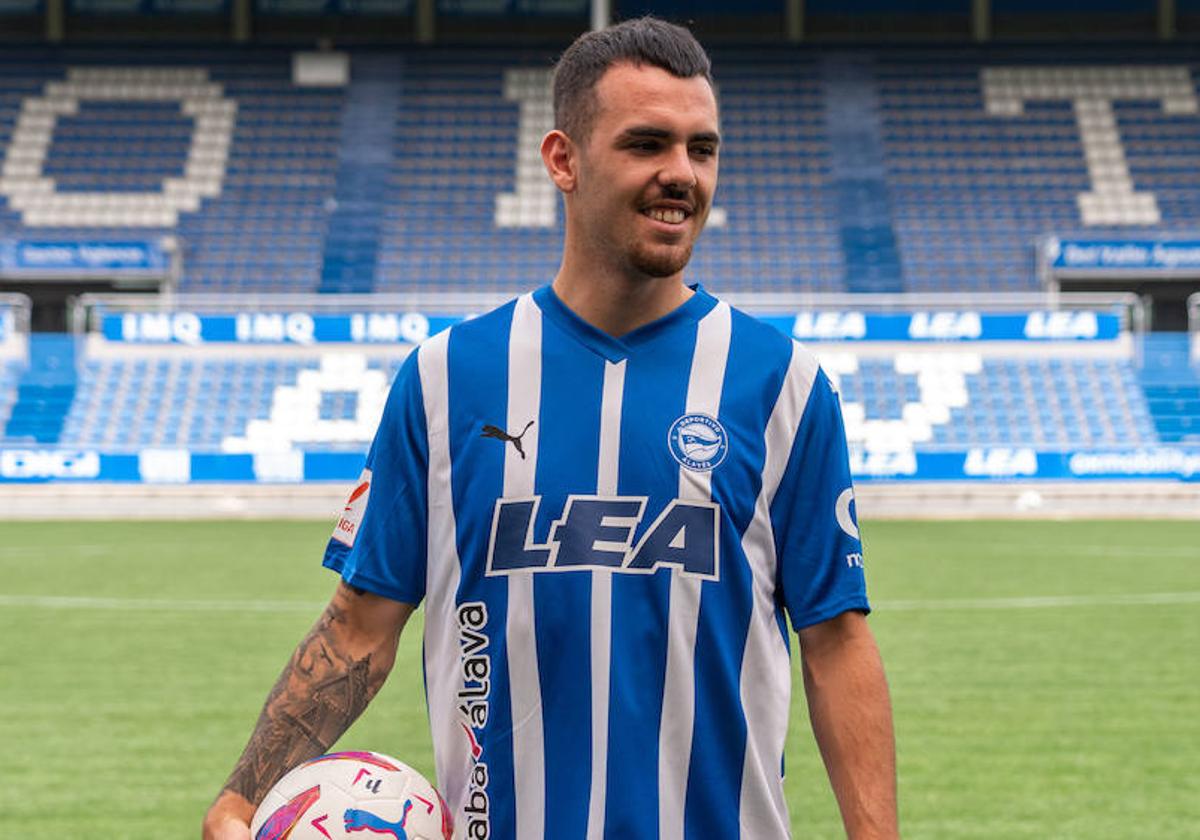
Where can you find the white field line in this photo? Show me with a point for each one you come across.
(59, 602)
(1166, 552)
(1042, 602)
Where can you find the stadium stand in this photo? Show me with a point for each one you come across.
(1171, 382)
(42, 390)
(218, 147)
(10, 374)
(956, 400)
(855, 170)
(843, 170)
(986, 156)
(219, 400)
(224, 402)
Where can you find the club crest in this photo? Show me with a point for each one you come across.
(698, 442)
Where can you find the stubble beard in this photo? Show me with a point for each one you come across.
(657, 259)
(660, 262)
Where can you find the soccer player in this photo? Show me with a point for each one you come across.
(611, 495)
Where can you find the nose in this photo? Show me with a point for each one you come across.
(677, 172)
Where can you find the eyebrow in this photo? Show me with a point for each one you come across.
(649, 131)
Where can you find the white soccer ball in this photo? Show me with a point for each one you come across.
(348, 795)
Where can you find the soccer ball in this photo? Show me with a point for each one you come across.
(352, 795)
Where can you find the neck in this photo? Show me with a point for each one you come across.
(616, 303)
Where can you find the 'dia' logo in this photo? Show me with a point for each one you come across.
(698, 442)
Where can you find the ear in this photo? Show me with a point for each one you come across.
(560, 156)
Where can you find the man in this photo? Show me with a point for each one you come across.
(608, 494)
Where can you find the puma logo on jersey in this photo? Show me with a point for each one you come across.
(496, 432)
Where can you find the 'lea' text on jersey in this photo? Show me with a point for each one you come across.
(597, 532)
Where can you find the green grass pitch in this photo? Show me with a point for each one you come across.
(1045, 676)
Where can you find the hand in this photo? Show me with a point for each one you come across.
(228, 818)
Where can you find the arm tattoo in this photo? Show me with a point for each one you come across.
(320, 693)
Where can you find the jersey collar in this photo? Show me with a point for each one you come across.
(616, 349)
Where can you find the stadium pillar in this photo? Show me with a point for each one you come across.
(55, 20)
(601, 13)
(1166, 20)
(795, 20)
(241, 23)
(981, 20)
(426, 18)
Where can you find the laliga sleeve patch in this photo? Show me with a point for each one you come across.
(351, 517)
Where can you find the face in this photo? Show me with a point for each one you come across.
(647, 172)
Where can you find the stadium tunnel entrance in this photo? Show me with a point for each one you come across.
(52, 300)
(1165, 299)
(53, 273)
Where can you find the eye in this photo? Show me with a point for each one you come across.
(704, 151)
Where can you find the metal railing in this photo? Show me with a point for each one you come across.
(1193, 310)
(15, 312)
(87, 307)
(1129, 305)
(19, 307)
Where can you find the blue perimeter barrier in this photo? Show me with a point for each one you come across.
(177, 466)
(304, 328)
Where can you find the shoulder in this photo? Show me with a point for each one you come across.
(430, 358)
(496, 321)
(490, 328)
(763, 336)
(773, 349)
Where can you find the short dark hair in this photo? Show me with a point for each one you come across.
(644, 40)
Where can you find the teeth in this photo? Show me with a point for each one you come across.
(670, 216)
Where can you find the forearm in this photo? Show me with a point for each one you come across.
(330, 679)
(852, 720)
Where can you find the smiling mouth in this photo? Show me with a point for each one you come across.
(671, 216)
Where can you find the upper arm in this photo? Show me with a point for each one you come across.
(834, 634)
(816, 533)
(371, 622)
(379, 543)
(839, 651)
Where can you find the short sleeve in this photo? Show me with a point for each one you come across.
(816, 532)
(379, 542)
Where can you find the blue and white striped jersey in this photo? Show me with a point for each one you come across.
(607, 535)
